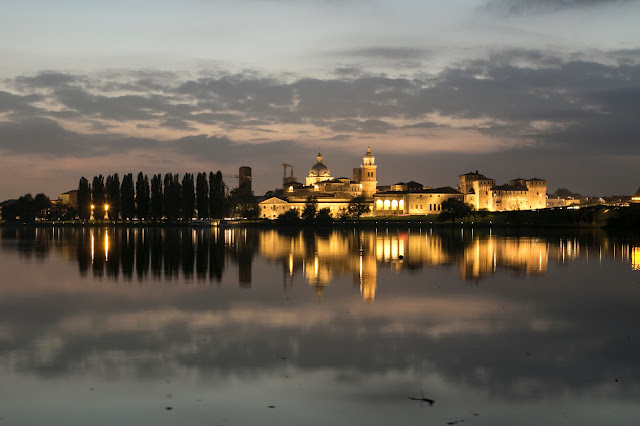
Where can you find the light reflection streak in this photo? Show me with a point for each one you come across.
(106, 246)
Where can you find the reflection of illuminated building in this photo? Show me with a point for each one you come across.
(635, 258)
(367, 276)
(411, 250)
(323, 257)
(479, 259)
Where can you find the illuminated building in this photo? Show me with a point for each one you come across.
(519, 194)
(418, 202)
(635, 200)
(331, 193)
(69, 198)
(635, 258)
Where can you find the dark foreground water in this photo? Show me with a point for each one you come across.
(245, 327)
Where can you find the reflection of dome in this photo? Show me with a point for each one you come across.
(319, 169)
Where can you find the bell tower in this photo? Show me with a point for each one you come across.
(369, 180)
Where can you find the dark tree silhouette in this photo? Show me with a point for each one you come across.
(97, 192)
(143, 197)
(113, 195)
(454, 208)
(84, 199)
(168, 209)
(217, 204)
(172, 196)
(310, 209)
(156, 197)
(188, 196)
(202, 195)
(127, 197)
(358, 206)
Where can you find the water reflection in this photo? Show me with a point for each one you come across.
(549, 333)
(203, 254)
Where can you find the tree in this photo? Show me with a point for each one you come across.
(188, 196)
(172, 196)
(358, 206)
(143, 197)
(176, 196)
(127, 197)
(27, 208)
(289, 218)
(323, 217)
(454, 208)
(310, 210)
(41, 206)
(202, 196)
(97, 192)
(156, 197)
(168, 206)
(217, 202)
(113, 195)
(84, 198)
(566, 193)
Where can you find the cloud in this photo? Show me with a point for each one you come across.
(510, 99)
(394, 53)
(517, 7)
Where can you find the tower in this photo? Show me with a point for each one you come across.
(369, 179)
(244, 178)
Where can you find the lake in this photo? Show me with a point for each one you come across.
(116, 326)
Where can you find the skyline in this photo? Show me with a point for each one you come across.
(512, 89)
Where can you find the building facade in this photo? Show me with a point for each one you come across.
(414, 202)
(482, 192)
(330, 192)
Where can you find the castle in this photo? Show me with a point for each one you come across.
(411, 198)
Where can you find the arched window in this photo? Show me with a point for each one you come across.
(379, 205)
(401, 205)
(386, 204)
(394, 205)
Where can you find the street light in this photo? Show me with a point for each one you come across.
(92, 208)
(106, 211)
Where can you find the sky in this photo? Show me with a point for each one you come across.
(512, 88)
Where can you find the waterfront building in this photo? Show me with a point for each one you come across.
(330, 192)
(413, 202)
(482, 192)
(69, 198)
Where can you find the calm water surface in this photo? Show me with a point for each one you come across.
(247, 327)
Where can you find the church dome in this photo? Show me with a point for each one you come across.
(319, 169)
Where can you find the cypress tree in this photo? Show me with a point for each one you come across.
(127, 197)
(202, 196)
(156, 196)
(84, 199)
(112, 190)
(142, 196)
(188, 196)
(97, 193)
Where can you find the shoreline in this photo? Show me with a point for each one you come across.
(595, 217)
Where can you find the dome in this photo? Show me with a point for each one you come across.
(319, 169)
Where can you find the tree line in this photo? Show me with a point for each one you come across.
(157, 198)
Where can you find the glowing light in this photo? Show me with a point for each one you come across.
(106, 247)
(635, 259)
